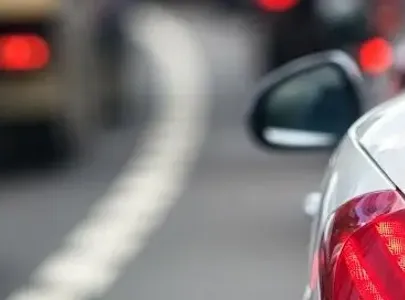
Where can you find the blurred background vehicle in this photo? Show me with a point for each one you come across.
(358, 215)
(60, 73)
(305, 26)
(368, 30)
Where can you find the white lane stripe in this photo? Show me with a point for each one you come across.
(119, 224)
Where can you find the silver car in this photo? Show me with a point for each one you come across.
(357, 247)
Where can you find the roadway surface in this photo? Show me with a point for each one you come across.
(235, 229)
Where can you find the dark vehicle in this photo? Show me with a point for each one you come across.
(308, 26)
(369, 30)
(366, 29)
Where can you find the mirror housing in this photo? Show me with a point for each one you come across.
(308, 103)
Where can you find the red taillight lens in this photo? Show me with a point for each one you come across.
(23, 52)
(376, 56)
(277, 5)
(363, 250)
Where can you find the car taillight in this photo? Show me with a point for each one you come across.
(376, 56)
(23, 52)
(362, 253)
(277, 5)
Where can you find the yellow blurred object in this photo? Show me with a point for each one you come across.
(28, 95)
(28, 9)
(47, 63)
(34, 99)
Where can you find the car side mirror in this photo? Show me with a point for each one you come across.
(308, 103)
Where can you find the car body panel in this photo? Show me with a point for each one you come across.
(368, 159)
(28, 9)
(37, 98)
(350, 173)
(381, 133)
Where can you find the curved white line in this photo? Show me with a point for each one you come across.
(119, 224)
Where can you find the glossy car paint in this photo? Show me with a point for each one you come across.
(382, 136)
(368, 159)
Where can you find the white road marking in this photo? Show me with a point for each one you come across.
(118, 226)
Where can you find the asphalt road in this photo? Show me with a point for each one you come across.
(237, 230)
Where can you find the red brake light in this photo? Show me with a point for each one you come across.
(22, 52)
(376, 56)
(277, 5)
(363, 250)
